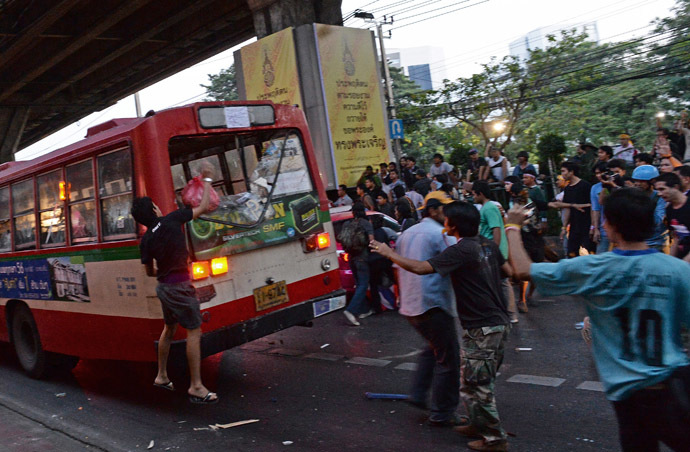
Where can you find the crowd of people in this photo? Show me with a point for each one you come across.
(463, 255)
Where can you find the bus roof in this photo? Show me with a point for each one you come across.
(110, 129)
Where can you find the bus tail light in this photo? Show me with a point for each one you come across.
(323, 240)
(200, 270)
(219, 265)
(316, 242)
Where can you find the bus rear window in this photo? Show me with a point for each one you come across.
(260, 177)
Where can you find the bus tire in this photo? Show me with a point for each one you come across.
(27, 342)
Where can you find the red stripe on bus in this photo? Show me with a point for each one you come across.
(95, 336)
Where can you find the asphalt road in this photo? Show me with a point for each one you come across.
(306, 386)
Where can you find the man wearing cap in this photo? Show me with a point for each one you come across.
(523, 164)
(428, 303)
(644, 177)
(477, 168)
(625, 150)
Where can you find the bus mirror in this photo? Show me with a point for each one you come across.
(236, 116)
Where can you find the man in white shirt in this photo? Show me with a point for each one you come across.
(625, 150)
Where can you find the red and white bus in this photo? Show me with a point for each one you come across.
(71, 281)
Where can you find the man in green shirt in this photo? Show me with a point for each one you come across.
(491, 227)
(491, 220)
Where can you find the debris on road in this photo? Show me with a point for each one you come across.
(325, 345)
(151, 444)
(523, 349)
(287, 443)
(233, 424)
(61, 394)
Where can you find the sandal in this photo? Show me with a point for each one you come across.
(167, 386)
(208, 400)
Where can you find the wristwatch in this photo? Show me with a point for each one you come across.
(207, 179)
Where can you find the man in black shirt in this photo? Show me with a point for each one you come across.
(578, 204)
(677, 213)
(164, 242)
(475, 265)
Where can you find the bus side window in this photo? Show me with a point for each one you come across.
(24, 215)
(115, 189)
(82, 207)
(51, 209)
(5, 224)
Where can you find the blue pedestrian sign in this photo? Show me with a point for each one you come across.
(395, 126)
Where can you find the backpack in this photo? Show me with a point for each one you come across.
(354, 237)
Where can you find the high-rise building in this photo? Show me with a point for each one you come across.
(424, 65)
(538, 39)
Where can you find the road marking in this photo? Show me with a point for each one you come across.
(325, 356)
(406, 355)
(536, 380)
(407, 366)
(591, 386)
(286, 352)
(368, 361)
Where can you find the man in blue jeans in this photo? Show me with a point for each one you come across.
(428, 302)
(360, 268)
(637, 299)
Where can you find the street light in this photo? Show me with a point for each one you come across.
(499, 127)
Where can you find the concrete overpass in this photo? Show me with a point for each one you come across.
(61, 60)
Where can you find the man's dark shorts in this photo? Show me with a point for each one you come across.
(180, 304)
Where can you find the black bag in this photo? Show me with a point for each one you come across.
(354, 237)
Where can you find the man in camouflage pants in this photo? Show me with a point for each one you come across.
(476, 266)
(482, 354)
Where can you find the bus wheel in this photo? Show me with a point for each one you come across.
(27, 342)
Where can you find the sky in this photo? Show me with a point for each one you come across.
(469, 32)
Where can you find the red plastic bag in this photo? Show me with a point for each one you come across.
(194, 192)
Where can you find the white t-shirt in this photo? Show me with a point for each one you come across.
(497, 167)
(443, 168)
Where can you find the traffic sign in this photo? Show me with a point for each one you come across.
(395, 126)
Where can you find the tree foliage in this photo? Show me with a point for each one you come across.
(223, 86)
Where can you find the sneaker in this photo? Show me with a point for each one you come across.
(480, 444)
(351, 318)
(467, 430)
(454, 421)
(514, 318)
(367, 314)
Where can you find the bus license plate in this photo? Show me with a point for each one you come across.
(271, 295)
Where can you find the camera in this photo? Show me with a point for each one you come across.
(530, 210)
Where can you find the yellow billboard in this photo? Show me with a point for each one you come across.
(353, 99)
(269, 68)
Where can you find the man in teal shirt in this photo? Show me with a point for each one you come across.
(491, 220)
(637, 299)
(491, 227)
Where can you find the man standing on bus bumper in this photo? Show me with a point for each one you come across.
(164, 241)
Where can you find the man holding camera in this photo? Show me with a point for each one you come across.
(610, 177)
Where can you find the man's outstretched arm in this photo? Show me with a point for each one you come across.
(518, 256)
(411, 265)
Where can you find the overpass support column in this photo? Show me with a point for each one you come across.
(271, 16)
(12, 122)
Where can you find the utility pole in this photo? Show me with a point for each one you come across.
(389, 85)
(368, 17)
(137, 104)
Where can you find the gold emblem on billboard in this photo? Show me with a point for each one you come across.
(269, 73)
(349, 61)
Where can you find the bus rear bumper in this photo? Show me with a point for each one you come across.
(231, 336)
